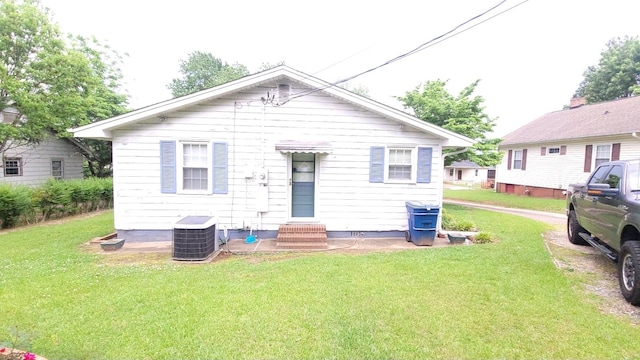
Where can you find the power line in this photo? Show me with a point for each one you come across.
(436, 40)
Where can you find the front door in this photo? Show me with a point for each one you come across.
(303, 185)
(459, 174)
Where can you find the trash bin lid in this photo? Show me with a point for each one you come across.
(421, 205)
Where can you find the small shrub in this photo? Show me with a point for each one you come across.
(447, 220)
(483, 237)
(463, 225)
(15, 201)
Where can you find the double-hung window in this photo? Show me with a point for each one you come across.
(13, 167)
(602, 154)
(195, 166)
(57, 169)
(400, 164)
(517, 159)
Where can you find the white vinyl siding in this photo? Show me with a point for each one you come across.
(36, 162)
(558, 171)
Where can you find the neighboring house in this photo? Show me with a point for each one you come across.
(276, 147)
(469, 172)
(562, 147)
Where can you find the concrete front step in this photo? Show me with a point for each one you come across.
(318, 245)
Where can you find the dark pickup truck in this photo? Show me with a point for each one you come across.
(605, 213)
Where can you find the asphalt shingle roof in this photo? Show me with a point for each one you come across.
(602, 119)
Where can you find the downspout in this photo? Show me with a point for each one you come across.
(440, 201)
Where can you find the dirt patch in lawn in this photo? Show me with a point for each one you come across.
(596, 272)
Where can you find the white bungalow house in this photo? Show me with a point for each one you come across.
(468, 172)
(272, 148)
(562, 147)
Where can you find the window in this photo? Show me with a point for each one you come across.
(57, 169)
(476, 172)
(195, 169)
(13, 167)
(400, 161)
(400, 164)
(517, 159)
(602, 154)
(450, 172)
(554, 150)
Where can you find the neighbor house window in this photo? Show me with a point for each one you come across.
(195, 169)
(400, 164)
(476, 172)
(13, 167)
(517, 159)
(602, 154)
(554, 150)
(57, 169)
(450, 172)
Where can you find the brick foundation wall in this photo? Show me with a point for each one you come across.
(533, 191)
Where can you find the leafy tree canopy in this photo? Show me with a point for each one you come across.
(48, 82)
(617, 75)
(202, 71)
(463, 114)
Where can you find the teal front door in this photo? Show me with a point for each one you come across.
(303, 176)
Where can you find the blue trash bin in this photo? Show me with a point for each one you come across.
(423, 220)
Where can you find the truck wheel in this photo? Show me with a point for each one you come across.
(629, 271)
(573, 228)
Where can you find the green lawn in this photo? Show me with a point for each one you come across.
(503, 300)
(488, 196)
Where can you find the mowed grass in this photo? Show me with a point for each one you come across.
(489, 197)
(503, 300)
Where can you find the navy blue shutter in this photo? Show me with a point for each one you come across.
(168, 167)
(220, 168)
(376, 164)
(425, 156)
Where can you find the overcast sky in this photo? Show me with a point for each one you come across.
(530, 59)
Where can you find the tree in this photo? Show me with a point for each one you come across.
(47, 83)
(617, 74)
(462, 114)
(202, 71)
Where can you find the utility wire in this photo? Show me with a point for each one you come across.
(438, 39)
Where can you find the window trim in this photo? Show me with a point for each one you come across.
(61, 169)
(19, 167)
(180, 167)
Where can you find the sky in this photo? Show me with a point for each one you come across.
(530, 59)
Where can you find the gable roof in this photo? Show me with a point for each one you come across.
(617, 117)
(102, 129)
(466, 164)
